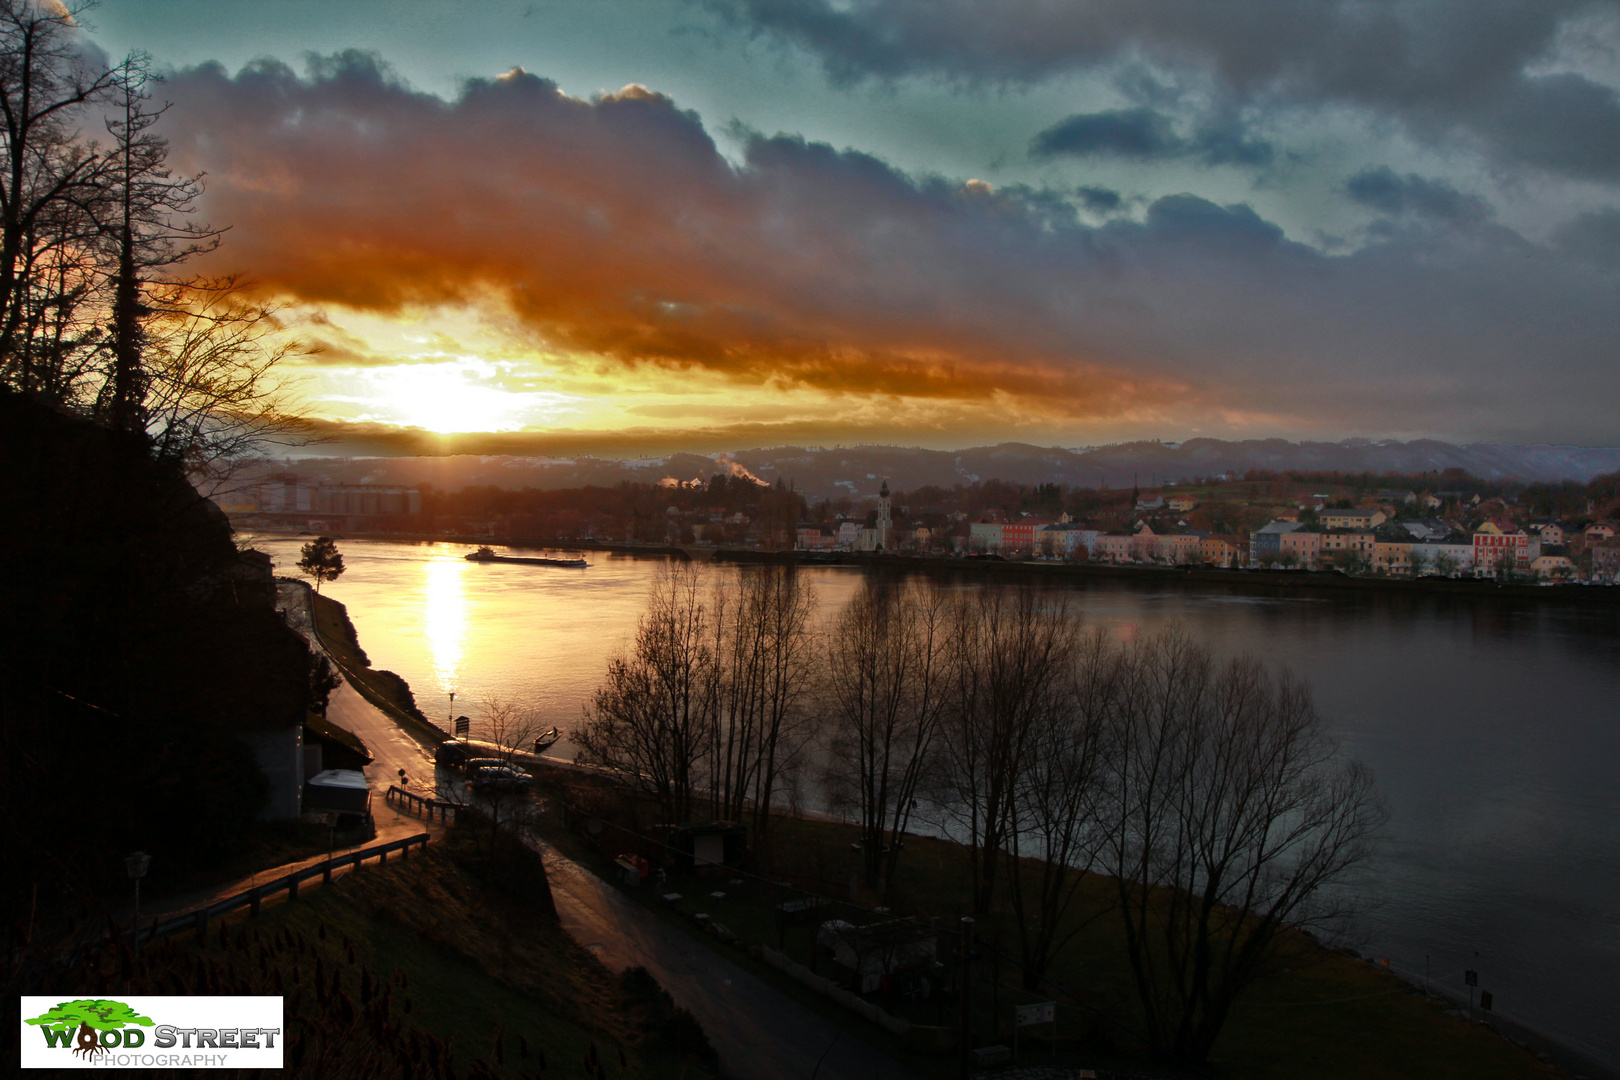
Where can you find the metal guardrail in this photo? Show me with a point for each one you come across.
(199, 918)
(417, 803)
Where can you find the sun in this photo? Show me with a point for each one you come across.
(465, 394)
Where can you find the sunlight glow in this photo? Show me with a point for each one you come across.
(446, 619)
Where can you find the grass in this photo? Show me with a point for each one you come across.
(441, 965)
(1319, 1011)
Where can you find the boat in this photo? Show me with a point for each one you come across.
(485, 554)
(546, 740)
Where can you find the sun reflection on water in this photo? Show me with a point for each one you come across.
(446, 619)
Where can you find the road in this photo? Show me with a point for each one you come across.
(759, 1032)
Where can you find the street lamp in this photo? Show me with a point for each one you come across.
(136, 864)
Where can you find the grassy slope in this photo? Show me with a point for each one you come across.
(1321, 1011)
(465, 961)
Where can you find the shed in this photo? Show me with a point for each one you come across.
(891, 947)
(712, 843)
(343, 791)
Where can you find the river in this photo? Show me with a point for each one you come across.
(1493, 730)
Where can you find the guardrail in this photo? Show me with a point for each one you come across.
(252, 899)
(417, 803)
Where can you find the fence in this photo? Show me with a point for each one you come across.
(254, 898)
(417, 803)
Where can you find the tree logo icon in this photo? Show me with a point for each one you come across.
(87, 1022)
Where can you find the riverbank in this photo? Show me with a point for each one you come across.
(1433, 662)
(1267, 582)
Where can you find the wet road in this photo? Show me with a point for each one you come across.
(758, 1031)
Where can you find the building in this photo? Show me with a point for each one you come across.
(1449, 557)
(1392, 555)
(1553, 564)
(1350, 519)
(1018, 537)
(1114, 548)
(1605, 562)
(813, 538)
(1343, 545)
(1265, 544)
(883, 529)
(985, 536)
(1302, 548)
(1224, 550)
(1497, 550)
(1182, 503)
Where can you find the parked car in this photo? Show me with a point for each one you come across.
(499, 776)
(472, 765)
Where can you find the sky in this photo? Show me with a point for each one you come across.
(714, 224)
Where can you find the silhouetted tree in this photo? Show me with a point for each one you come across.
(321, 561)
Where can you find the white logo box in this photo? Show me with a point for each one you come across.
(193, 1032)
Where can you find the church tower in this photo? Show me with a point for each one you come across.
(884, 519)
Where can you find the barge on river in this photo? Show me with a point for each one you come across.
(485, 554)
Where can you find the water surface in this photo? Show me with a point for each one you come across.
(1493, 730)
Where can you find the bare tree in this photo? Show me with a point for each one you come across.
(212, 400)
(885, 686)
(145, 213)
(651, 718)
(1231, 815)
(50, 182)
(1059, 830)
(1010, 650)
(773, 618)
(505, 729)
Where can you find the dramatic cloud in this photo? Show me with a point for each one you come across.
(614, 228)
(1382, 190)
(1144, 134)
(1527, 82)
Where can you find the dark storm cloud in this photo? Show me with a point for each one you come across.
(1382, 190)
(1099, 200)
(1139, 134)
(1144, 134)
(1443, 67)
(615, 227)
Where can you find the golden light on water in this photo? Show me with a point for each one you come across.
(446, 619)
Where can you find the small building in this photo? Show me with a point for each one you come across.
(869, 954)
(709, 844)
(1350, 519)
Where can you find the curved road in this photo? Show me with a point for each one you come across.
(759, 1032)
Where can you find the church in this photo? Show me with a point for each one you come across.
(878, 536)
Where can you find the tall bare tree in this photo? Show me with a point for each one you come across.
(651, 718)
(1011, 647)
(51, 180)
(1231, 816)
(885, 684)
(1061, 792)
(777, 604)
(145, 212)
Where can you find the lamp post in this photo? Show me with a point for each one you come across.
(136, 864)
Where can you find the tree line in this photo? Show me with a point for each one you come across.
(94, 224)
(1206, 795)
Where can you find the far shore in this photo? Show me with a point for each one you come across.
(1272, 582)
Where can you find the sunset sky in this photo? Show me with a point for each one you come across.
(712, 224)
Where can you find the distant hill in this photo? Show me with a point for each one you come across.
(858, 470)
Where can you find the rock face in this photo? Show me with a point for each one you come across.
(858, 470)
